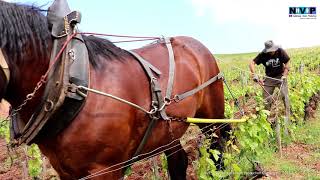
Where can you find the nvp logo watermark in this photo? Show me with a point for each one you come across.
(303, 12)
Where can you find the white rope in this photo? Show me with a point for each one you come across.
(152, 155)
(102, 172)
(117, 98)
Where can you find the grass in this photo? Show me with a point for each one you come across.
(301, 152)
(309, 133)
(300, 157)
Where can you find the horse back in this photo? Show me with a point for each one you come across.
(195, 64)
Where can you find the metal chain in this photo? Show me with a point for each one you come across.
(43, 77)
(28, 97)
(235, 99)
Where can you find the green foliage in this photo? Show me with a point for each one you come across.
(128, 171)
(254, 139)
(164, 163)
(33, 152)
(4, 129)
(35, 161)
(302, 87)
(254, 134)
(206, 169)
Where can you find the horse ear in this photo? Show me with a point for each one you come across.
(56, 12)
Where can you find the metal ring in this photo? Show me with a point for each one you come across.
(167, 101)
(50, 107)
(72, 54)
(30, 96)
(152, 111)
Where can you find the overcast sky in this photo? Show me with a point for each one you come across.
(224, 26)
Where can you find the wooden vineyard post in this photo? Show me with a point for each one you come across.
(24, 169)
(278, 135)
(24, 163)
(44, 167)
(286, 125)
(155, 167)
(301, 68)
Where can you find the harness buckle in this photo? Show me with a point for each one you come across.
(220, 75)
(176, 98)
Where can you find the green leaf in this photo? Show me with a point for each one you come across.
(215, 153)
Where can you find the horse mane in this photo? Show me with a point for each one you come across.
(23, 24)
(99, 47)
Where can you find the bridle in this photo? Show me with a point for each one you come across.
(4, 67)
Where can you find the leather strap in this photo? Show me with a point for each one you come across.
(146, 64)
(156, 98)
(171, 68)
(197, 89)
(4, 66)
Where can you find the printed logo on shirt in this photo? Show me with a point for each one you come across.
(273, 62)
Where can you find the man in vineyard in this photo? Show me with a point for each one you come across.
(276, 63)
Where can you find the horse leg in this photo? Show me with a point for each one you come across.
(177, 162)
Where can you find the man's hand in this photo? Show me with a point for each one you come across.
(257, 79)
(284, 78)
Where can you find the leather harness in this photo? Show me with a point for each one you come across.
(63, 98)
(158, 102)
(61, 101)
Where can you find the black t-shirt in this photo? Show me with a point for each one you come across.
(273, 63)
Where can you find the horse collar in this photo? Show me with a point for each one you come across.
(4, 66)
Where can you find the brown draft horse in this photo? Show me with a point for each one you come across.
(106, 131)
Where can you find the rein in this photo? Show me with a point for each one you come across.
(44, 77)
(167, 99)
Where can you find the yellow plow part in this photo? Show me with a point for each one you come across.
(199, 120)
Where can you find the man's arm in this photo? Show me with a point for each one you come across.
(285, 60)
(286, 69)
(253, 75)
(255, 61)
(252, 68)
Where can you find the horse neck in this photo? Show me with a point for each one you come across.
(25, 77)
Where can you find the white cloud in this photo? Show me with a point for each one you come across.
(272, 14)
